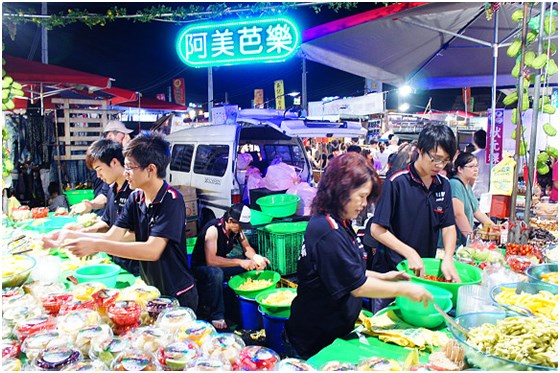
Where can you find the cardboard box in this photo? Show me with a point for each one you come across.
(192, 226)
(188, 192)
(191, 208)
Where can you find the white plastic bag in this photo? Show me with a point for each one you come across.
(307, 194)
(244, 160)
(280, 176)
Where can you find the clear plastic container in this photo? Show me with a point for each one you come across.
(39, 289)
(225, 346)
(53, 302)
(474, 298)
(90, 335)
(135, 360)
(56, 358)
(38, 342)
(77, 305)
(209, 364)
(337, 366)
(148, 338)
(198, 331)
(104, 298)
(124, 313)
(178, 355)
(172, 319)
(293, 364)
(156, 306)
(10, 349)
(76, 320)
(108, 350)
(92, 365)
(85, 290)
(258, 358)
(30, 326)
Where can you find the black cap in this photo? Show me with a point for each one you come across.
(241, 214)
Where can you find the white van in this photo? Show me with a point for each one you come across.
(206, 157)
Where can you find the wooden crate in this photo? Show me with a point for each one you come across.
(82, 126)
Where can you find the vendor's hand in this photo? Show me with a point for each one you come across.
(248, 264)
(73, 226)
(81, 208)
(449, 271)
(416, 264)
(417, 293)
(395, 276)
(82, 247)
(261, 261)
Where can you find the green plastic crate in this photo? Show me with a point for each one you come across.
(79, 195)
(282, 249)
(252, 237)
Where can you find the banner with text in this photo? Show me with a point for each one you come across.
(496, 144)
(179, 91)
(258, 100)
(279, 95)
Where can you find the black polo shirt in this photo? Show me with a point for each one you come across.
(116, 200)
(225, 243)
(166, 218)
(413, 213)
(332, 263)
(99, 187)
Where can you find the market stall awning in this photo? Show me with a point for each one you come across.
(427, 45)
(32, 72)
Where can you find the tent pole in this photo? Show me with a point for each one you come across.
(520, 93)
(490, 147)
(304, 83)
(535, 123)
(210, 93)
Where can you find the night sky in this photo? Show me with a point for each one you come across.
(142, 57)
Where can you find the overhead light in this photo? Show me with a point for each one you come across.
(293, 94)
(404, 107)
(405, 90)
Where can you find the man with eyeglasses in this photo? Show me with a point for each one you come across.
(414, 205)
(156, 213)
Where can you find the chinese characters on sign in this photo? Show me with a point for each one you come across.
(279, 95)
(238, 42)
(495, 145)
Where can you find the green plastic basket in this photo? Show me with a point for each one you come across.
(236, 281)
(259, 217)
(470, 275)
(284, 228)
(279, 205)
(77, 196)
(282, 249)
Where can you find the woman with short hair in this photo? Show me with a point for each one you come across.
(332, 275)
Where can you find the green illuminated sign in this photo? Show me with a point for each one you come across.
(238, 42)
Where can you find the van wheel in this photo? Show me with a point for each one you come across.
(206, 215)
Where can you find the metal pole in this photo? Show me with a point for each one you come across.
(44, 39)
(304, 83)
(490, 147)
(535, 123)
(520, 93)
(210, 93)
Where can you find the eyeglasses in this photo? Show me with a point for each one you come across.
(438, 162)
(129, 169)
(472, 166)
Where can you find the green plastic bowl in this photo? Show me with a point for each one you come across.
(416, 314)
(259, 217)
(274, 308)
(236, 281)
(470, 275)
(279, 205)
(105, 273)
(286, 228)
(77, 196)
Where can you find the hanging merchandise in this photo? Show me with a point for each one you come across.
(502, 177)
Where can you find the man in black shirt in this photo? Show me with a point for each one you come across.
(210, 263)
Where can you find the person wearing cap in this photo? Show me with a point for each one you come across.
(116, 131)
(156, 213)
(212, 267)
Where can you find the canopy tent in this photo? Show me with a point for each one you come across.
(44, 81)
(426, 45)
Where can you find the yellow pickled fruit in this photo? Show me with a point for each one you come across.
(514, 116)
(549, 129)
(529, 58)
(523, 148)
(514, 48)
(542, 168)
